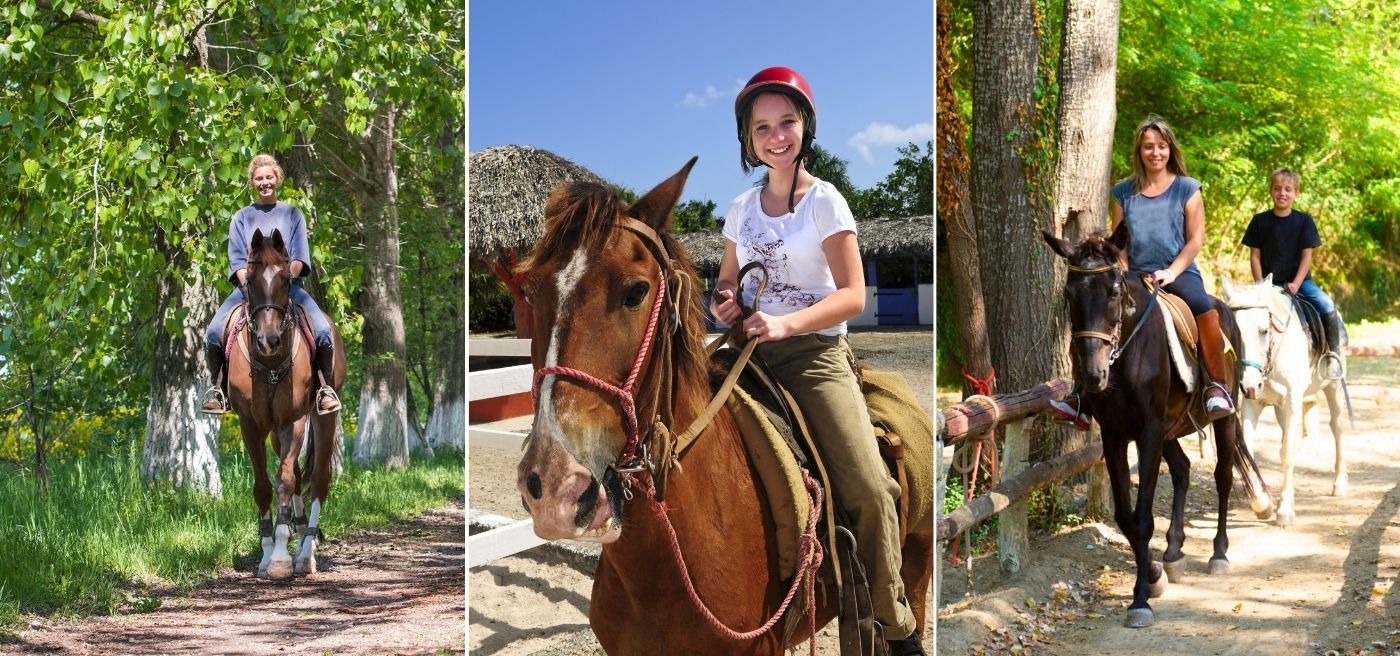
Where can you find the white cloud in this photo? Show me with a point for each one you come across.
(701, 100)
(884, 134)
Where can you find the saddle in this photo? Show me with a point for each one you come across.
(1312, 326)
(773, 431)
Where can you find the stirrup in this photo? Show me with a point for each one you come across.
(215, 395)
(1224, 397)
(1064, 413)
(322, 396)
(1332, 368)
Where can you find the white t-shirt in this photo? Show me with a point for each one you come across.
(790, 248)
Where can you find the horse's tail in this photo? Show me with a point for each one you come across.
(1260, 499)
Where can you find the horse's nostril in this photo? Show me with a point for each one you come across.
(533, 485)
(586, 503)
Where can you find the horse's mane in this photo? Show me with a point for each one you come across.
(585, 215)
(1096, 247)
(266, 254)
(1260, 294)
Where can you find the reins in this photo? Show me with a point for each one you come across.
(1130, 311)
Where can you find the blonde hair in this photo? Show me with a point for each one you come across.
(263, 159)
(1286, 173)
(1176, 162)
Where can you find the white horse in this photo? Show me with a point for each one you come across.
(1281, 372)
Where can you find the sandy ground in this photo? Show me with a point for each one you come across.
(537, 602)
(1325, 585)
(394, 590)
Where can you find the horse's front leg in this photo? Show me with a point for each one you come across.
(1179, 466)
(1291, 421)
(288, 447)
(253, 442)
(323, 447)
(1340, 486)
(1138, 525)
(1115, 454)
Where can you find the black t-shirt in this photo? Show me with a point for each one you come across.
(1281, 240)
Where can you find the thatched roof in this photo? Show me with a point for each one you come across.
(510, 186)
(879, 237)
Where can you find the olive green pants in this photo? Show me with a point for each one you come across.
(816, 370)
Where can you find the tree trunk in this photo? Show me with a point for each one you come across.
(447, 426)
(1016, 267)
(1088, 74)
(182, 444)
(383, 419)
(960, 228)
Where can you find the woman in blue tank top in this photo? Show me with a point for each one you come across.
(1166, 223)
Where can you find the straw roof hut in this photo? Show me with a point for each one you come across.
(510, 186)
(879, 237)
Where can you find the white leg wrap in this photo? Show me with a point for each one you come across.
(306, 554)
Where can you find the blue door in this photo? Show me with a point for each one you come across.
(896, 291)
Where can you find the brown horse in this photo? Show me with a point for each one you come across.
(272, 386)
(615, 312)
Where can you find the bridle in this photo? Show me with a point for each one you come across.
(289, 318)
(1267, 366)
(1125, 310)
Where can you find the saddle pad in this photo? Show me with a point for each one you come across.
(778, 473)
(892, 403)
(1181, 337)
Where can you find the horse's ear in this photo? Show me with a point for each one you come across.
(654, 209)
(1061, 247)
(256, 242)
(277, 243)
(1269, 279)
(1228, 288)
(1120, 237)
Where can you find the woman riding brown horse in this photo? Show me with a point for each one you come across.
(273, 388)
(619, 349)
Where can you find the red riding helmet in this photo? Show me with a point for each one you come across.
(782, 80)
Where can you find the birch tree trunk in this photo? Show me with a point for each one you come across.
(383, 420)
(447, 425)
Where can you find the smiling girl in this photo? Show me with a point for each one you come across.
(803, 232)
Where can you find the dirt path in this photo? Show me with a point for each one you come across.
(1325, 585)
(394, 590)
(537, 602)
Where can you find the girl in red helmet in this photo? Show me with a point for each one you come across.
(803, 232)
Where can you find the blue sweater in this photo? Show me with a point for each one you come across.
(282, 216)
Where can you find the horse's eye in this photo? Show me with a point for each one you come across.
(1264, 331)
(635, 295)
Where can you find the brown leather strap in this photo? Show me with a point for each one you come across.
(892, 450)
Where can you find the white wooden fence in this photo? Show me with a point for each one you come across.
(507, 537)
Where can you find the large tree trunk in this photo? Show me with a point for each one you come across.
(383, 419)
(181, 448)
(956, 211)
(1016, 267)
(1088, 71)
(447, 426)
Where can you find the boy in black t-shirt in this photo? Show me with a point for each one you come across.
(1281, 242)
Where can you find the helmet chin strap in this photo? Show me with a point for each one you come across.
(797, 168)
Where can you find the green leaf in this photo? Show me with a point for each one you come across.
(61, 92)
(27, 9)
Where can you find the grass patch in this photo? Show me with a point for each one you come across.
(100, 540)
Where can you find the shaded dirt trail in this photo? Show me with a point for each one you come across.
(392, 590)
(1325, 585)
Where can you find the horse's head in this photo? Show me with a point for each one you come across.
(1259, 310)
(269, 292)
(607, 286)
(1097, 293)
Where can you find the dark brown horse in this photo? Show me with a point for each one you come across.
(1124, 370)
(606, 385)
(272, 386)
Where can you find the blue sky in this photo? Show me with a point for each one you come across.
(631, 90)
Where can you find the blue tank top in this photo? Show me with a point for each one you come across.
(1156, 224)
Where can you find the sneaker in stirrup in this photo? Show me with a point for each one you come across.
(1218, 402)
(1066, 411)
(327, 401)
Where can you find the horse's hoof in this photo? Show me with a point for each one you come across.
(279, 569)
(306, 566)
(1341, 489)
(262, 573)
(1138, 618)
(1284, 519)
(1158, 587)
(1175, 569)
(1219, 567)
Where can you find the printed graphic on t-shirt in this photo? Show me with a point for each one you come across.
(767, 250)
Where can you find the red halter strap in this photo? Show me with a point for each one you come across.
(623, 394)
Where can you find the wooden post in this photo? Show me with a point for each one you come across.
(1012, 540)
(1100, 500)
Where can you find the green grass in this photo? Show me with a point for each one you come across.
(99, 540)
